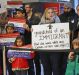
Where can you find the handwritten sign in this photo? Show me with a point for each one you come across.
(51, 36)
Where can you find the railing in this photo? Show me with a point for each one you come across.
(4, 48)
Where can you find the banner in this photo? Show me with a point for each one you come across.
(14, 3)
(55, 6)
(18, 23)
(21, 53)
(8, 39)
(51, 36)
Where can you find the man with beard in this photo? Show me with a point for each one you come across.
(67, 16)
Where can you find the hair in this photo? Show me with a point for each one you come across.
(20, 10)
(77, 6)
(9, 25)
(44, 17)
(19, 37)
(75, 41)
(28, 4)
(46, 10)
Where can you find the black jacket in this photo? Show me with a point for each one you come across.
(76, 26)
(34, 20)
(68, 17)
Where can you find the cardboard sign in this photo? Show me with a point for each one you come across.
(51, 36)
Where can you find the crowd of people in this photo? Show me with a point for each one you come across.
(53, 62)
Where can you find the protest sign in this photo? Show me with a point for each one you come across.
(21, 53)
(51, 36)
(18, 23)
(8, 39)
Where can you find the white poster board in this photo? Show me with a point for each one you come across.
(51, 36)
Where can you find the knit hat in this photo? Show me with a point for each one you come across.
(68, 4)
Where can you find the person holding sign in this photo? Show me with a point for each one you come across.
(19, 65)
(51, 60)
(9, 30)
(20, 15)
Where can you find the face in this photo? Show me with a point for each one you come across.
(75, 46)
(28, 8)
(77, 10)
(49, 13)
(19, 14)
(10, 30)
(66, 9)
(19, 42)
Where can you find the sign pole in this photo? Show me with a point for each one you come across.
(4, 61)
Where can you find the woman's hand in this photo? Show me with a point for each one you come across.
(69, 33)
(26, 27)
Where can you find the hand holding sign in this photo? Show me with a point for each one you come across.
(25, 26)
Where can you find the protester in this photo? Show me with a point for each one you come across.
(76, 29)
(67, 16)
(20, 67)
(9, 30)
(51, 61)
(20, 15)
(75, 44)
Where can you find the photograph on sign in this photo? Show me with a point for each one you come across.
(51, 36)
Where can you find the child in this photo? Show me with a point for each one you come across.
(10, 28)
(19, 65)
(75, 44)
(20, 14)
